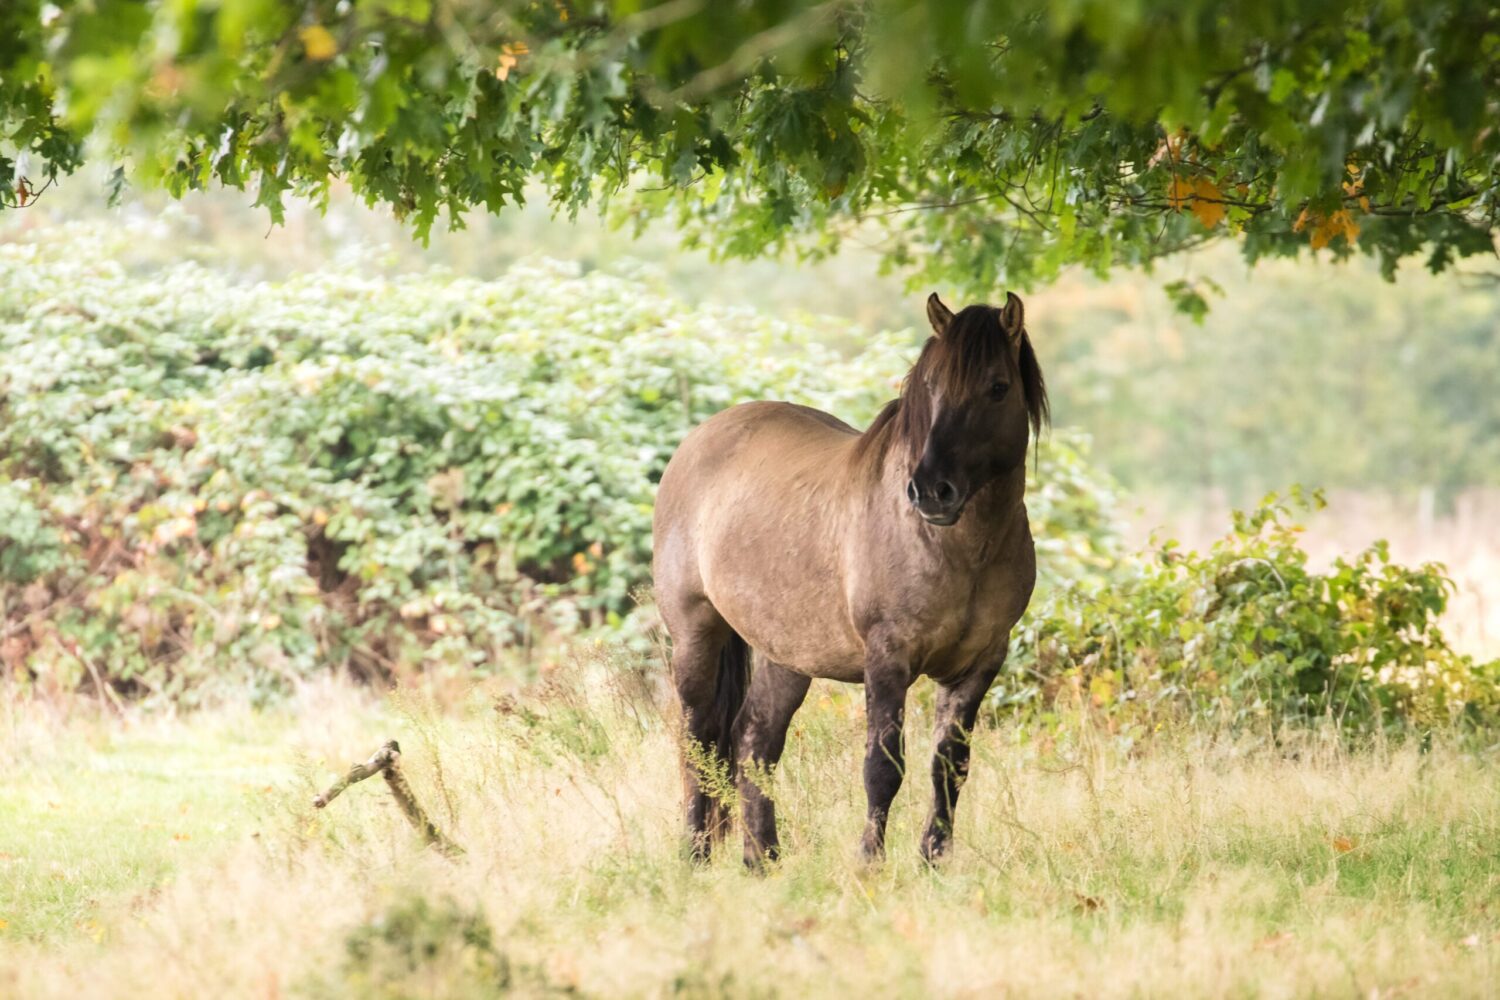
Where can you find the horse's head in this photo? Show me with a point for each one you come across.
(970, 404)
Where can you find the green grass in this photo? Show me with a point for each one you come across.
(1185, 868)
(100, 813)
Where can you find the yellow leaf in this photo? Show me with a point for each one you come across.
(318, 43)
(1347, 225)
(1179, 193)
(509, 58)
(1344, 844)
(1340, 223)
(1208, 203)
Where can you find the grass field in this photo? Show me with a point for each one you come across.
(181, 857)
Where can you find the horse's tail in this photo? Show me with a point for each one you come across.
(729, 695)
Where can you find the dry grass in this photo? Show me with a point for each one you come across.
(1187, 869)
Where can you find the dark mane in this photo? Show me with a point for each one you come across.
(956, 365)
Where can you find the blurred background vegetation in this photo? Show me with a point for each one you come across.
(234, 454)
(1305, 371)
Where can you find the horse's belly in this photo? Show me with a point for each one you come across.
(787, 605)
(806, 633)
(839, 661)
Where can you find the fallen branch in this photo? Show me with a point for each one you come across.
(387, 761)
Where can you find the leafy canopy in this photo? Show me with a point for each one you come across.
(979, 143)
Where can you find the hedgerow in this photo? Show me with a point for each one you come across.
(206, 480)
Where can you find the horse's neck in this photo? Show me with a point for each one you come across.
(994, 514)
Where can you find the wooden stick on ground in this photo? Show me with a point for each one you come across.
(387, 761)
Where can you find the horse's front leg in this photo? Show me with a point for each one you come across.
(887, 678)
(957, 709)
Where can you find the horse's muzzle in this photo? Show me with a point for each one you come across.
(941, 504)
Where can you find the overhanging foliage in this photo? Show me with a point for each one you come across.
(980, 143)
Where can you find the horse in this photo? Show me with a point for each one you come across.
(872, 558)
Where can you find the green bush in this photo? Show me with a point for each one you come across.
(205, 479)
(1247, 635)
(419, 948)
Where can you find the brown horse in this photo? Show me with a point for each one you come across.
(874, 558)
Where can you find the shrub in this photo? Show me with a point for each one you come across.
(1248, 635)
(420, 948)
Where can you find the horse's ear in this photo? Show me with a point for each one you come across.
(1013, 316)
(938, 314)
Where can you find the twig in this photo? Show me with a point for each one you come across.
(387, 761)
(106, 691)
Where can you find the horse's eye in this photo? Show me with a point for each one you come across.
(998, 390)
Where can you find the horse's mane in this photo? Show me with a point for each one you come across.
(956, 366)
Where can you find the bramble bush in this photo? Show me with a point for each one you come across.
(206, 480)
(1247, 636)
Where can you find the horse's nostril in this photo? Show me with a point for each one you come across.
(911, 490)
(944, 492)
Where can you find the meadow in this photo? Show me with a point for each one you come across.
(343, 347)
(182, 857)
(251, 529)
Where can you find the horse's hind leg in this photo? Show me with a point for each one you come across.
(775, 695)
(700, 642)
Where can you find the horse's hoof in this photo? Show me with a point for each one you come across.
(759, 865)
(698, 849)
(759, 861)
(933, 852)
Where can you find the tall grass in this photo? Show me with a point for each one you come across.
(1189, 866)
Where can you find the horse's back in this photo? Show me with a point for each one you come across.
(728, 434)
(752, 443)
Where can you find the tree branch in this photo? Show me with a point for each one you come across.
(387, 761)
